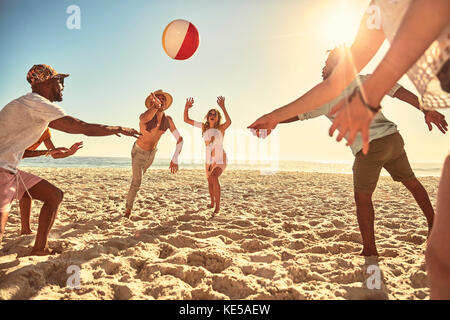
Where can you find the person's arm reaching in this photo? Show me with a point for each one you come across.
(221, 103)
(72, 125)
(293, 119)
(39, 153)
(174, 163)
(366, 44)
(411, 40)
(431, 116)
(63, 154)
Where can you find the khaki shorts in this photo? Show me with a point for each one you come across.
(387, 152)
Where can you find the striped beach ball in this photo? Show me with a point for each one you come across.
(180, 39)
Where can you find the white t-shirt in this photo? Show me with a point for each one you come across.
(380, 126)
(22, 122)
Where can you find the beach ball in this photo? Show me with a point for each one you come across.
(180, 39)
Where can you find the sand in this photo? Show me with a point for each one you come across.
(290, 235)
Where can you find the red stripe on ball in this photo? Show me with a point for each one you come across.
(190, 43)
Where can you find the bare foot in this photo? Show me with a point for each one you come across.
(43, 252)
(25, 231)
(127, 213)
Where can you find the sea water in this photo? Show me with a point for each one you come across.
(420, 168)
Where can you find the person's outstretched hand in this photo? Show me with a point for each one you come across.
(75, 147)
(221, 102)
(352, 116)
(154, 101)
(60, 153)
(438, 119)
(263, 126)
(173, 167)
(128, 132)
(189, 103)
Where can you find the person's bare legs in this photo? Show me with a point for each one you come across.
(216, 188)
(211, 193)
(52, 197)
(3, 219)
(438, 247)
(366, 218)
(25, 212)
(420, 194)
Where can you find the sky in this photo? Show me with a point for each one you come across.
(258, 54)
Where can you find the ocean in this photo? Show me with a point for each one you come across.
(421, 169)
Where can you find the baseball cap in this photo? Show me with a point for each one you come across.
(42, 72)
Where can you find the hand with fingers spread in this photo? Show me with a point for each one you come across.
(189, 103)
(221, 102)
(437, 118)
(353, 115)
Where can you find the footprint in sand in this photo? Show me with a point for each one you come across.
(254, 245)
(211, 261)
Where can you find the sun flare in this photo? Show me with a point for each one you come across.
(341, 23)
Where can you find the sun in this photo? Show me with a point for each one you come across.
(341, 21)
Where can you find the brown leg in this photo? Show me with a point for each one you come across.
(3, 220)
(52, 197)
(366, 220)
(420, 194)
(211, 193)
(216, 187)
(438, 246)
(25, 211)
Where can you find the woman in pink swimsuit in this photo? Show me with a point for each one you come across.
(216, 158)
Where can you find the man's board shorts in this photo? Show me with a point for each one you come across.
(387, 152)
(13, 186)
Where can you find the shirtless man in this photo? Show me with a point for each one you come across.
(153, 124)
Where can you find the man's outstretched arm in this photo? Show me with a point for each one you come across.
(293, 119)
(431, 116)
(72, 125)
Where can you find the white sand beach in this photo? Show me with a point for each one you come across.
(290, 235)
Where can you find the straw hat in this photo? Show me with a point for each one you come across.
(169, 99)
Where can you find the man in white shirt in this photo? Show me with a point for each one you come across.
(22, 121)
(386, 151)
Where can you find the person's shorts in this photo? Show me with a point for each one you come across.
(387, 152)
(13, 186)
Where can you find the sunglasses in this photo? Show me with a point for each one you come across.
(212, 114)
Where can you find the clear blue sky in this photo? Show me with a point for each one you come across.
(259, 54)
